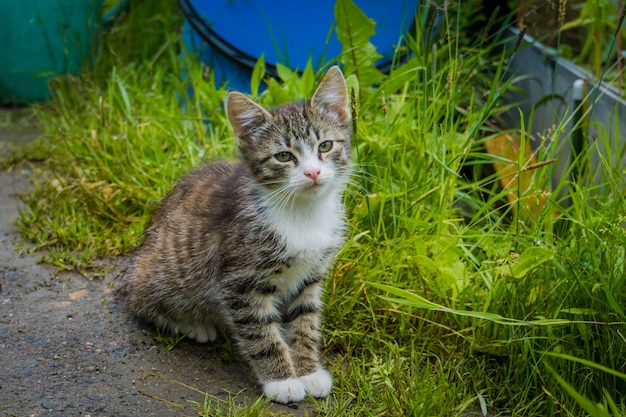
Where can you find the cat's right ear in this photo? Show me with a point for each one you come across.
(245, 116)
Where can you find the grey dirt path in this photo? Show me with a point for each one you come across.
(68, 347)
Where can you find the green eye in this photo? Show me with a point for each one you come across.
(325, 146)
(284, 156)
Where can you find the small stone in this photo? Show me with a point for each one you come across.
(48, 405)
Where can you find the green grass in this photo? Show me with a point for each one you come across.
(167, 340)
(215, 407)
(480, 309)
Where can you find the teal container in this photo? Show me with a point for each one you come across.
(42, 39)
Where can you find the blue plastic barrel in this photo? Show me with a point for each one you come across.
(230, 35)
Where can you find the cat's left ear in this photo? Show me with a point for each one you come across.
(332, 95)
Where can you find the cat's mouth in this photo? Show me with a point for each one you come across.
(312, 185)
(311, 188)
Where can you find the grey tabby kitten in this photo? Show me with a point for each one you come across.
(246, 245)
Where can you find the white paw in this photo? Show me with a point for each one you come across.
(285, 391)
(317, 384)
(205, 333)
(201, 333)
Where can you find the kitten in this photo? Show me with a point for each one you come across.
(246, 245)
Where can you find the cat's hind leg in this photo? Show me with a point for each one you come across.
(200, 332)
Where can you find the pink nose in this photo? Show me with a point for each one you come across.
(312, 173)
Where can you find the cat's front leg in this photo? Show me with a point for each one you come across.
(256, 330)
(302, 321)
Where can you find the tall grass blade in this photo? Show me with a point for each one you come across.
(586, 404)
(586, 363)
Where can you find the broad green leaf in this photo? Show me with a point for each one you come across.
(258, 74)
(286, 74)
(307, 81)
(429, 272)
(438, 276)
(530, 259)
(358, 55)
(452, 269)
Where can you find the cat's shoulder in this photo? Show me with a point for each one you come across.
(214, 172)
(204, 186)
(211, 177)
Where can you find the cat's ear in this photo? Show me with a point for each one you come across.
(245, 116)
(332, 95)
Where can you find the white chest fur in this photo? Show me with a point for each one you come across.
(308, 231)
(310, 228)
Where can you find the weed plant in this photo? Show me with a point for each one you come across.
(589, 33)
(446, 300)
